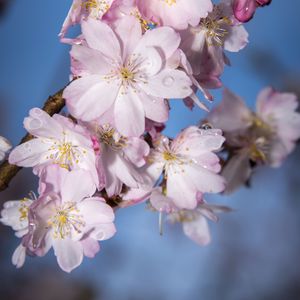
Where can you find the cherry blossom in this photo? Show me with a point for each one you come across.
(15, 215)
(120, 158)
(265, 137)
(194, 221)
(203, 44)
(124, 72)
(68, 218)
(175, 13)
(189, 164)
(57, 141)
(83, 9)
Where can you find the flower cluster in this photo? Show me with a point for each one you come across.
(130, 61)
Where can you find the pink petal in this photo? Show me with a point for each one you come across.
(136, 150)
(165, 39)
(169, 84)
(129, 31)
(156, 109)
(197, 231)
(19, 255)
(101, 37)
(29, 154)
(95, 211)
(69, 253)
(232, 113)
(77, 185)
(237, 39)
(90, 61)
(90, 247)
(40, 124)
(181, 191)
(103, 232)
(89, 97)
(128, 107)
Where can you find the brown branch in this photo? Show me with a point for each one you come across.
(53, 105)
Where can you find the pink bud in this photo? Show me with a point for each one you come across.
(245, 9)
(263, 2)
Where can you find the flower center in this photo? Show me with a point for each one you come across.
(214, 26)
(94, 7)
(170, 2)
(24, 208)
(146, 25)
(168, 156)
(65, 154)
(65, 220)
(126, 74)
(110, 137)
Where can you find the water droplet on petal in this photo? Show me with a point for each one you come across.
(168, 81)
(35, 124)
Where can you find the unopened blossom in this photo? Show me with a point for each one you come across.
(175, 13)
(189, 165)
(82, 10)
(57, 141)
(68, 218)
(124, 72)
(204, 43)
(194, 221)
(267, 136)
(120, 158)
(5, 146)
(244, 9)
(15, 215)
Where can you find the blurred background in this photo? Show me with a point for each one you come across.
(255, 250)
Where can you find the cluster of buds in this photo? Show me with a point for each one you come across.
(130, 61)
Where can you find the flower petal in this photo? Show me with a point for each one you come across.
(29, 154)
(129, 114)
(101, 37)
(197, 231)
(77, 185)
(89, 97)
(69, 253)
(95, 211)
(169, 84)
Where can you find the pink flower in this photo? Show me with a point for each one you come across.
(120, 158)
(15, 215)
(124, 72)
(83, 9)
(203, 44)
(190, 167)
(5, 146)
(57, 141)
(194, 222)
(68, 218)
(175, 13)
(265, 137)
(279, 112)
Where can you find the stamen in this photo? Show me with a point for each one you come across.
(66, 219)
(214, 25)
(168, 156)
(108, 136)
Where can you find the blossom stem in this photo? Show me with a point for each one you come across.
(53, 105)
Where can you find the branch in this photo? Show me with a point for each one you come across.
(53, 105)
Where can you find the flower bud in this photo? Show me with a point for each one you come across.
(263, 2)
(245, 9)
